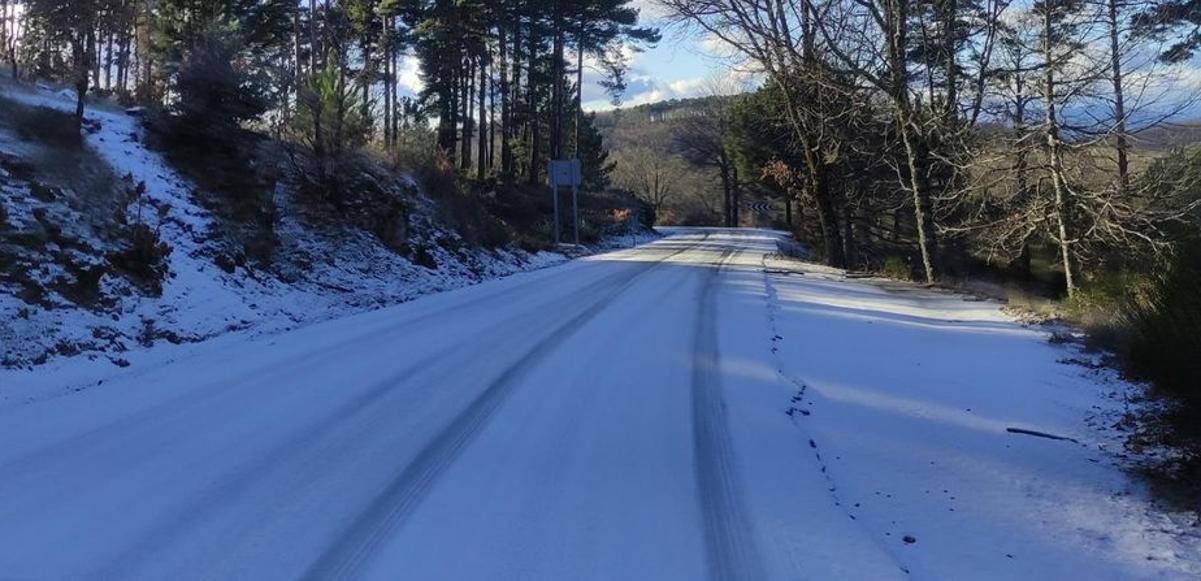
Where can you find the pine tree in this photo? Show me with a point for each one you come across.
(594, 157)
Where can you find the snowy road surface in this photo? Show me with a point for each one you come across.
(689, 409)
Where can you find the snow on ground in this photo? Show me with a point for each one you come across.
(692, 408)
(965, 445)
(350, 272)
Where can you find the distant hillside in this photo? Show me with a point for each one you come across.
(617, 125)
(644, 144)
(1169, 136)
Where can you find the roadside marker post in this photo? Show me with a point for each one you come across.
(565, 172)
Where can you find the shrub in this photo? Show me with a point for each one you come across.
(84, 288)
(462, 209)
(45, 125)
(143, 258)
(1105, 301)
(421, 256)
(896, 267)
(1165, 319)
(1163, 345)
(1152, 322)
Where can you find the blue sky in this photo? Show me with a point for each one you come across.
(680, 65)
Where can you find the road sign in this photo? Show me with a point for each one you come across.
(763, 208)
(564, 173)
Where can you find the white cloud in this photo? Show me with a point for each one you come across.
(648, 90)
(409, 75)
(649, 10)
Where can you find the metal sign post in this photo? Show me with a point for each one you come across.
(554, 194)
(565, 172)
(575, 212)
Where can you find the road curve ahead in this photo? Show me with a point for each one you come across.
(624, 416)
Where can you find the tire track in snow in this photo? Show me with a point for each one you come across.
(348, 417)
(254, 472)
(311, 359)
(730, 548)
(152, 421)
(363, 538)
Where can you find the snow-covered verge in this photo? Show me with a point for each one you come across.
(942, 425)
(341, 271)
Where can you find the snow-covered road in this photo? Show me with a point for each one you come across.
(688, 409)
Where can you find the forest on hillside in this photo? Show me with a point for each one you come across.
(499, 87)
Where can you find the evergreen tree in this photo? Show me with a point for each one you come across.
(217, 92)
(594, 157)
(329, 119)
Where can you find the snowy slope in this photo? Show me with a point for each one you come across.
(351, 271)
(675, 411)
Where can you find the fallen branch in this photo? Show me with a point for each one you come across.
(1040, 434)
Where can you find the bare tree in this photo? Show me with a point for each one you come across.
(701, 139)
(653, 177)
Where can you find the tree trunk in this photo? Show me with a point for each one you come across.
(735, 191)
(1020, 166)
(1119, 103)
(950, 23)
(727, 195)
(848, 239)
(386, 59)
(448, 119)
(532, 110)
(506, 152)
(556, 135)
(921, 199)
(108, 61)
(579, 85)
(482, 149)
(81, 47)
(313, 46)
(365, 82)
(1062, 222)
(819, 185)
(123, 60)
(396, 105)
(1021, 265)
(492, 122)
(898, 20)
(296, 43)
(14, 34)
(94, 49)
(468, 113)
(4, 25)
(148, 91)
